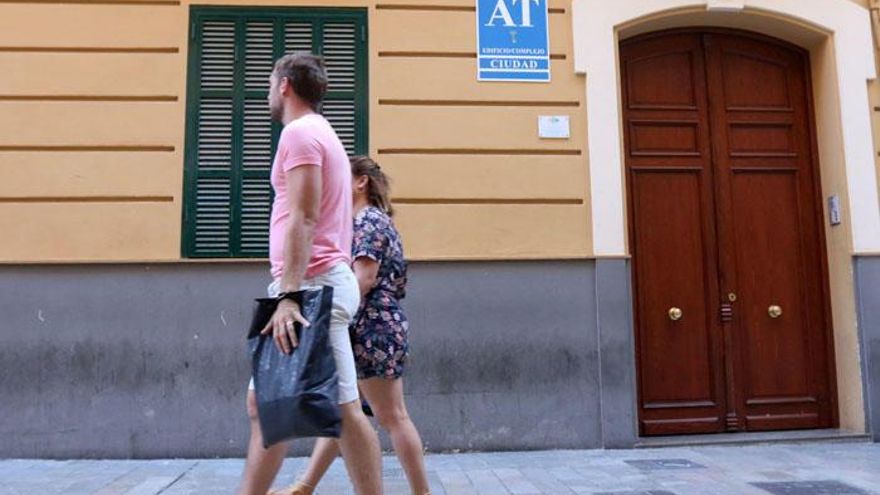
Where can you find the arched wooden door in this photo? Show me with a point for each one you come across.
(731, 304)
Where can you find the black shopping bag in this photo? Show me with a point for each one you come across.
(297, 394)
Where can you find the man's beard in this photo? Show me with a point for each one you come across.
(276, 112)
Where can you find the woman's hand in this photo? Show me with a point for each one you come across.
(282, 325)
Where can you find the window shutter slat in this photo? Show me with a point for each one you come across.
(259, 54)
(256, 198)
(257, 142)
(339, 54)
(212, 215)
(214, 141)
(340, 114)
(298, 37)
(339, 51)
(215, 135)
(218, 55)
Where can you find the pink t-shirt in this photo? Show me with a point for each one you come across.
(310, 140)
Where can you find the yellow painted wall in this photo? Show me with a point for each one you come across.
(91, 131)
(846, 340)
(874, 87)
(839, 241)
(92, 116)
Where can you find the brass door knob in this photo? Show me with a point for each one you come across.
(675, 314)
(774, 311)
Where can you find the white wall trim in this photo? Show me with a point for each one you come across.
(595, 54)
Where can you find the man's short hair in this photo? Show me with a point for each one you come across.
(306, 74)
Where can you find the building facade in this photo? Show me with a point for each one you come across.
(701, 255)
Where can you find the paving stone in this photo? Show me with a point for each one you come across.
(663, 464)
(456, 482)
(824, 487)
(486, 482)
(152, 486)
(394, 473)
(850, 469)
(435, 484)
(649, 492)
(516, 483)
(545, 481)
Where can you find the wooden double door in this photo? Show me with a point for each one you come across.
(730, 277)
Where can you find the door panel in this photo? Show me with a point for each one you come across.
(768, 260)
(725, 223)
(669, 174)
(678, 368)
(751, 81)
(662, 79)
(772, 248)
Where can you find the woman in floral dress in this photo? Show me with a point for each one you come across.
(379, 331)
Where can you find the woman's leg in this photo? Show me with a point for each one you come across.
(325, 452)
(386, 399)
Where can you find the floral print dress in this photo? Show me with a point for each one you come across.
(379, 331)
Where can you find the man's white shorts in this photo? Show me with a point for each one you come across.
(346, 299)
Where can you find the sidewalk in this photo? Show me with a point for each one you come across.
(800, 469)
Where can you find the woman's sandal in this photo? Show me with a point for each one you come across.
(298, 488)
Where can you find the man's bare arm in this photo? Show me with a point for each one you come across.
(304, 193)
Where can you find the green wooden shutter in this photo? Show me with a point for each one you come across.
(214, 148)
(339, 55)
(257, 139)
(230, 138)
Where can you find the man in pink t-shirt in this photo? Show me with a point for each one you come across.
(310, 246)
(310, 140)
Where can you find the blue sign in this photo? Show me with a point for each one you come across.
(513, 41)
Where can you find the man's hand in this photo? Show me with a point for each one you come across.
(281, 325)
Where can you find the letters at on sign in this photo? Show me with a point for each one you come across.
(513, 41)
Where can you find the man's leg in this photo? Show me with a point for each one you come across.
(360, 450)
(262, 464)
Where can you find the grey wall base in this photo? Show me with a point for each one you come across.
(617, 354)
(118, 361)
(867, 276)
